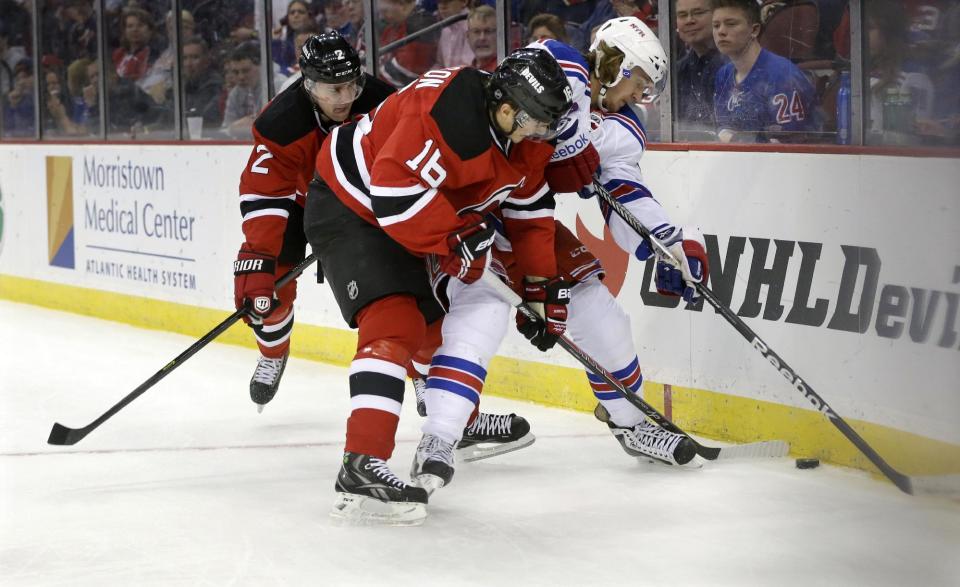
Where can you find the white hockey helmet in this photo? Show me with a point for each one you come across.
(640, 46)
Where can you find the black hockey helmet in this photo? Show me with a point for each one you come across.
(532, 81)
(328, 58)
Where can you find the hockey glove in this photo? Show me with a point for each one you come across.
(571, 175)
(253, 279)
(681, 278)
(549, 299)
(469, 252)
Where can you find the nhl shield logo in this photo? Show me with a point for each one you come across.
(352, 290)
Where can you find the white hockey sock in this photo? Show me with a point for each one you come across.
(622, 413)
(447, 414)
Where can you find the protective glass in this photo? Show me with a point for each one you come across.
(335, 93)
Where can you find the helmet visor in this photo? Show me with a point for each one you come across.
(539, 130)
(335, 94)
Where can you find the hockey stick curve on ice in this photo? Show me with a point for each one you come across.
(63, 435)
(944, 484)
(772, 448)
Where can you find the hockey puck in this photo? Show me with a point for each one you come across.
(808, 463)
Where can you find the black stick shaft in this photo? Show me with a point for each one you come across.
(899, 479)
(512, 298)
(61, 435)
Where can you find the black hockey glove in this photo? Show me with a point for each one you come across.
(469, 251)
(549, 299)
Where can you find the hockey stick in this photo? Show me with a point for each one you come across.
(910, 485)
(63, 435)
(775, 448)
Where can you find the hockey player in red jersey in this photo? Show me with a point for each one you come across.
(625, 64)
(287, 137)
(414, 180)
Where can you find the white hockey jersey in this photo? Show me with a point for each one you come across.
(575, 128)
(621, 141)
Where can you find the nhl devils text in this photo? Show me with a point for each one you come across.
(860, 302)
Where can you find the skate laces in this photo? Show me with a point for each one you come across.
(434, 448)
(419, 387)
(491, 424)
(653, 437)
(382, 471)
(267, 370)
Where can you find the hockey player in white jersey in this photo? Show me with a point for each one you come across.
(626, 63)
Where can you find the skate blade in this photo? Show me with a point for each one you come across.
(479, 452)
(695, 463)
(429, 482)
(359, 510)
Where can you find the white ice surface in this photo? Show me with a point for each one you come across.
(189, 485)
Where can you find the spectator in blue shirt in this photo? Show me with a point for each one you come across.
(18, 104)
(760, 96)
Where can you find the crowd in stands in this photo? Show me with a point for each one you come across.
(743, 70)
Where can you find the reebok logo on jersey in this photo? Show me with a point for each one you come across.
(534, 82)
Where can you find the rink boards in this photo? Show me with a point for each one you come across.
(847, 265)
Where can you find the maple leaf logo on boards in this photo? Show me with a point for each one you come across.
(611, 256)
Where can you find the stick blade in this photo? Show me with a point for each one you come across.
(767, 449)
(942, 485)
(60, 435)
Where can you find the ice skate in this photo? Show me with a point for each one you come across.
(266, 380)
(494, 434)
(433, 463)
(368, 493)
(646, 440)
(420, 389)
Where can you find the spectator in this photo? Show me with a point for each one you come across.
(298, 18)
(158, 81)
(645, 10)
(131, 112)
(482, 36)
(201, 84)
(336, 18)
(760, 96)
(86, 103)
(355, 14)
(246, 98)
(404, 64)
(295, 74)
(697, 70)
(10, 56)
(136, 52)
(16, 22)
(547, 26)
(57, 105)
(577, 11)
(229, 82)
(898, 99)
(81, 31)
(453, 49)
(18, 102)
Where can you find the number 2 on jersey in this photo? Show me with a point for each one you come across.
(432, 172)
(256, 166)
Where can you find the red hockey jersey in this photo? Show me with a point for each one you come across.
(287, 137)
(427, 163)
